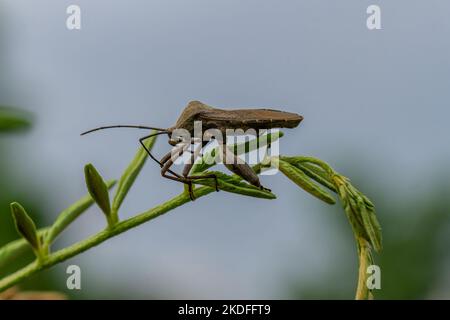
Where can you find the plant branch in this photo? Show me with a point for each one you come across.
(308, 173)
(77, 248)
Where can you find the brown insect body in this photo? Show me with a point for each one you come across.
(214, 118)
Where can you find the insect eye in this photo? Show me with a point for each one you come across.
(175, 141)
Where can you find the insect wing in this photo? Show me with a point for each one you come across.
(249, 118)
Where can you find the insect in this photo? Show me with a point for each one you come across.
(212, 118)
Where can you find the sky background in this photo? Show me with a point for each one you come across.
(375, 103)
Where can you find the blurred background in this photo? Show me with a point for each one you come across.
(376, 107)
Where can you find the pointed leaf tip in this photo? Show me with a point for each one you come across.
(303, 181)
(25, 225)
(98, 190)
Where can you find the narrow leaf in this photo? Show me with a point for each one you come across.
(302, 180)
(355, 192)
(234, 184)
(130, 174)
(98, 190)
(369, 228)
(317, 174)
(25, 225)
(356, 211)
(371, 225)
(360, 211)
(301, 160)
(207, 160)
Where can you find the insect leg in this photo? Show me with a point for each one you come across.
(240, 167)
(206, 176)
(189, 165)
(163, 160)
(168, 156)
(141, 141)
(164, 171)
(188, 168)
(169, 159)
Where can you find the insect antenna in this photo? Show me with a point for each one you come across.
(126, 126)
(141, 140)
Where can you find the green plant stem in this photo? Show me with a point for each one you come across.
(79, 247)
(16, 249)
(362, 292)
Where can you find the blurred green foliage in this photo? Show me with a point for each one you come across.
(13, 119)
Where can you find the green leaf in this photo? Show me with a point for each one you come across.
(207, 161)
(302, 160)
(371, 224)
(313, 171)
(356, 193)
(25, 226)
(234, 184)
(370, 227)
(360, 211)
(318, 175)
(12, 119)
(302, 180)
(67, 216)
(130, 174)
(99, 192)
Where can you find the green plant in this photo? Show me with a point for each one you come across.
(13, 119)
(309, 173)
